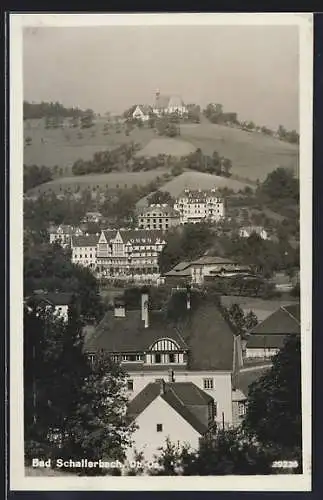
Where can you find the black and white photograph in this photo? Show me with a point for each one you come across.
(160, 249)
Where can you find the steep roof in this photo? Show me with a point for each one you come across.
(178, 395)
(54, 298)
(284, 321)
(128, 334)
(209, 260)
(135, 235)
(165, 209)
(244, 379)
(265, 341)
(90, 240)
(202, 330)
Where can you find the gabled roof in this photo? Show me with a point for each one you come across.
(180, 396)
(284, 321)
(202, 330)
(140, 236)
(244, 379)
(90, 240)
(52, 298)
(209, 260)
(128, 334)
(266, 341)
(145, 108)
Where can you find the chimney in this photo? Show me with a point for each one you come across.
(119, 308)
(162, 388)
(188, 297)
(144, 307)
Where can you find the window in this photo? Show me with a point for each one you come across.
(159, 427)
(208, 383)
(130, 385)
(241, 409)
(172, 358)
(157, 358)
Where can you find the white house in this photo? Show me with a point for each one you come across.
(57, 302)
(157, 216)
(247, 231)
(142, 112)
(268, 337)
(63, 234)
(84, 250)
(195, 206)
(199, 347)
(179, 412)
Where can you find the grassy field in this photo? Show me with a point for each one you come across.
(63, 147)
(168, 146)
(114, 180)
(253, 155)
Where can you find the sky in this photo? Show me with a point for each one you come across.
(251, 70)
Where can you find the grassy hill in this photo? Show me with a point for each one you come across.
(114, 180)
(253, 155)
(197, 180)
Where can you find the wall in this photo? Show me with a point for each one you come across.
(221, 393)
(261, 353)
(147, 439)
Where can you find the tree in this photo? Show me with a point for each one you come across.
(72, 409)
(161, 197)
(226, 452)
(274, 415)
(281, 185)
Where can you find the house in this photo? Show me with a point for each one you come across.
(206, 268)
(190, 341)
(94, 217)
(142, 112)
(247, 231)
(120, 254)
(84, 250)
(178, 411)
(268, 337)
(168, 104)
(157, 216)
(195, 206)
(57, 302)
(63, 234)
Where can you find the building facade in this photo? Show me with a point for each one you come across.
(158, 216)
(200, 349)
(195, 206)
(204, 269)
(120, 254)
(63, 234)
(246, 231)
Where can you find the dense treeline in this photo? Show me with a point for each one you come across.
(125, 158)
(34, 176)
(49, 109)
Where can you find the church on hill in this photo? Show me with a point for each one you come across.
(168, 104)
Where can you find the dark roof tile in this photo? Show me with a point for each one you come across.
(284, 321)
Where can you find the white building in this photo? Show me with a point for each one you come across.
(200, 348)
(56, 302)
(179, 412)
(268, 337)
(157, 216)
(200, 205)
(121, 254)
(142, 112)
(247, 231)
(63, 234)
(168, 104)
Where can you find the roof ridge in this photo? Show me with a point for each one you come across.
(176, 396)
(290, 314)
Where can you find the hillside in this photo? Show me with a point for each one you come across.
(197, 180)
(114, 180)
(253, 154)
(163, 145)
